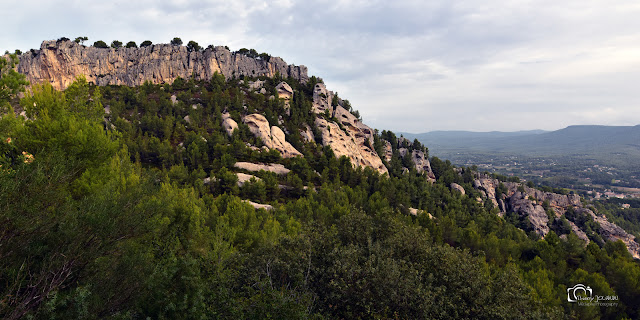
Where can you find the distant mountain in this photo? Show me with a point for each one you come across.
(467, 139)
(599, 142)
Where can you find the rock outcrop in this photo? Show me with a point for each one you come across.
(527, 202)
(284, 91)
(457, 187)
(256, 205)
(307, 134)
(520, 204)
(420, 161)
(244, 178)
(229, 124)
(388, 150)
(344, 144)
(349, 137)
(488, 188)
(322, 99)
(272, 137)
(60, 62)
(255, 167)
(612, 232)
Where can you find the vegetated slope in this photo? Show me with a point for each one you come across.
(226, 198)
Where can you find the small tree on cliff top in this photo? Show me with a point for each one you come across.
(100, 44)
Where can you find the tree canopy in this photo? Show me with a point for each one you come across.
(139, 213)
(176, 41)
(100, 44)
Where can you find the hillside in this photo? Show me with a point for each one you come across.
(242, 196)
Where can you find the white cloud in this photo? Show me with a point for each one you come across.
(406, 65)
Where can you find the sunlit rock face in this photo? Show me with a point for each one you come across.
(273, 137)
(60, 62)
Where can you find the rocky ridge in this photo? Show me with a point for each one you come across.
(60, 62)
(530, 203)
(343, 132)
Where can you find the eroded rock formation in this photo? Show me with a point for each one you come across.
(272, 137)
(60, 62)
(528, 202)
(343, 144)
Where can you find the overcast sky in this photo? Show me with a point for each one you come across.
(412, 66)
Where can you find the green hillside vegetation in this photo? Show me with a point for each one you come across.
(111, 216)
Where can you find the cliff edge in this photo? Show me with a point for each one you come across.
(60, 62)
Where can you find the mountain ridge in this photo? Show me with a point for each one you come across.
(61, 61)
(576, 139)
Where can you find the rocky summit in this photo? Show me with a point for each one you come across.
(60, 62)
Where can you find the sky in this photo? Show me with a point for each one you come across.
(408, 66)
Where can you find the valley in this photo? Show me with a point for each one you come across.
(595, 161)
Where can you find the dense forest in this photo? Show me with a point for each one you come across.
(124, 203)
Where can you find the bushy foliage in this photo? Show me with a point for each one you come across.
(116, 44)
(138, 214)
(176, 41)
(193, 46)
(100, 44)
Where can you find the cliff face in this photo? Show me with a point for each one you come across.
(60, 62)
(348, 136)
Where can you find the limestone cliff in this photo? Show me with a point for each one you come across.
(60, 62)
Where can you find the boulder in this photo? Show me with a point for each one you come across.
(244, 178)
(255, 167)
(284, 91)
(457, 187)
(228, 124)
